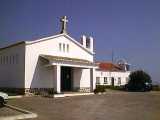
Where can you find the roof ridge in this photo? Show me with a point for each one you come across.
(46, 38)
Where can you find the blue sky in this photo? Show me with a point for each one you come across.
(128, 27)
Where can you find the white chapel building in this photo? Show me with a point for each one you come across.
(58, 62)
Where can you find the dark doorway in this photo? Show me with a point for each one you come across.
(66, 79)
(112, 81)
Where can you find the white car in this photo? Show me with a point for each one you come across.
(3, 98)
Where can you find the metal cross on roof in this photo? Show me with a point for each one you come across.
(64, 24)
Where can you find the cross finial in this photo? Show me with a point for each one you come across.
(64, 24)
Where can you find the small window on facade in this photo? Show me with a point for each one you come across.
(101, 73)
(67, 47)
(13, 59)
(97, 80)
(7, 60)
(60, 47)
(63, 47)
(119, 81)
(10, 59)
(3, 59)
(87, 43)
(105, 80)
(17, 58)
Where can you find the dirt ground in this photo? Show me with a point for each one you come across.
(111, 106)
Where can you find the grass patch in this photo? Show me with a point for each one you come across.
(103, 88)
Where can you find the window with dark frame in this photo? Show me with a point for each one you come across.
(60, 46)
(4, 59)
(97, 80)
(119, 81)
(17, 58)
(63, 47)
(105, 80)
(13, 58)
(67, 47)
(7, 60)
(10, 59)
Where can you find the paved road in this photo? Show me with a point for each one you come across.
(112, 106)
(5, 112)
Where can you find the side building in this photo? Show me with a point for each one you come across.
(108, 73)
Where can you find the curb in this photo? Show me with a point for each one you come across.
(71, 95)
(12, 97)
(25, 114)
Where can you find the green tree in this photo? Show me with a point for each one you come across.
(139, 81)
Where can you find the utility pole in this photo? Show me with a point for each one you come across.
(112, 56)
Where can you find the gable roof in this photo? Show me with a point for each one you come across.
(12, 45)
(108, 66)
(48, 38)
(59, 35)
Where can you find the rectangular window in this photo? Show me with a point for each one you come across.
(60, 46)
(67, 47)
(97, 80)
(10, 59)
(101, 73)
(17, 58)
(6, 59)
(13, 59)
(119, 81)
(3, 59)
(63, 47)
(87, 43)
(105, 80)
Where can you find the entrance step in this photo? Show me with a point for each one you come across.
(71, 94)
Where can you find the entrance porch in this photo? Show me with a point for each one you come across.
(72, 79)
(72, 75)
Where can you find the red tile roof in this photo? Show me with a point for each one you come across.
(109, 66)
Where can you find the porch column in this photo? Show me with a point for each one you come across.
(58, 78)
(92, 79)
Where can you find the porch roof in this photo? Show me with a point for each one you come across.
(68, 60)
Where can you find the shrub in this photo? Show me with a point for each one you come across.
(44, 93)
(114, 87)
(99, 89)
(139, 81)
(37, 93)
(51, 92)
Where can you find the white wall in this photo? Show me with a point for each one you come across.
(123, 75)
(12, 71)
(85, 79)
(49, 47)
(77, 74)
(81, 78)
(43, 76)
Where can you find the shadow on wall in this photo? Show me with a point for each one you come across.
(12, 77)
(77, 75)
(43, 76)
